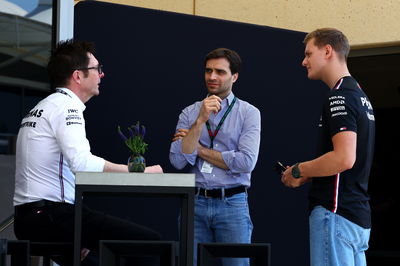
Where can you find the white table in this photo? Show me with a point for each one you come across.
(133, 184)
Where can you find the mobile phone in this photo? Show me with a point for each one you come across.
(279, 167)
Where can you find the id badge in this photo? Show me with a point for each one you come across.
(207, 167)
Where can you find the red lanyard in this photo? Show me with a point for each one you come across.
(214, 134)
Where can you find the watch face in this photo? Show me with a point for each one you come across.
(296, 171)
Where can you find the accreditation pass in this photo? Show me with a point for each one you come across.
(207, 167)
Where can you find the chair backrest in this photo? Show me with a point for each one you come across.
(7, 177)
(22, 250)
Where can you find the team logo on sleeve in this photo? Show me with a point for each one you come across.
(337, 105)
(73, 117)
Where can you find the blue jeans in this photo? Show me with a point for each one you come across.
(222, 220)
(334, 240)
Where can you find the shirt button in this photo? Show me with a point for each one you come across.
(216, 145)
(213, 175)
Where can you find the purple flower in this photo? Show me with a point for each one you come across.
(135, 139)
(131, 132)
(143, 131)
(136, 129)
(121, 134)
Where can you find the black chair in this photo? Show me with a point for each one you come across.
(19, 251)
(259, 253)
(112, 252)
(22, 250)
(51, 250)
(3, 251)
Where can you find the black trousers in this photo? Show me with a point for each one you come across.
(55, 222)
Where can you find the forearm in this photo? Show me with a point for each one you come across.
(112, 167)
(191, 140)
(328, 164)
(212, 156)
(331, 163)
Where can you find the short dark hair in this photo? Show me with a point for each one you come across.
(233, 58)
(68, 56)
(331, 36)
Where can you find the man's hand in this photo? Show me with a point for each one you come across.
(154, 169)
(210, 104)
(180, 134)
(289, 181)
(84, 253)
(191, 139)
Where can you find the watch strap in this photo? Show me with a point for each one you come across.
(296, 171)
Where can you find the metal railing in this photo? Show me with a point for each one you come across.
(6, 223)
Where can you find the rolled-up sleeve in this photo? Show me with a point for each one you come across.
(245, 158)
(177, 158)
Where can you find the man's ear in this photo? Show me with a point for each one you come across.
(328, 50)
(235, 77)
(76, 76)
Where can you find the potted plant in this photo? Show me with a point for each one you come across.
(137, 146)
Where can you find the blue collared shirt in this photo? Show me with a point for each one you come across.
(238, 140)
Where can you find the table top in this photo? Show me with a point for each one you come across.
(135, 179)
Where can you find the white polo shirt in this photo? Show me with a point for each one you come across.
(51, 146)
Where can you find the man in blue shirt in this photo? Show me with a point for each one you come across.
(220, 138)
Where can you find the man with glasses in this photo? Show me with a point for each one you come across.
(52, 146)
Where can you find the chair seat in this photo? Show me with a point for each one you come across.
(51, 248)
(112, 251)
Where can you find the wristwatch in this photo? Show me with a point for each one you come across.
(296, 171)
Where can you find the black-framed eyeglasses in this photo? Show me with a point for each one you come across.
(99, 68)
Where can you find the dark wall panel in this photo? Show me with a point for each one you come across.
(153, 63)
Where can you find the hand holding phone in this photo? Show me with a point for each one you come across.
(279, 167)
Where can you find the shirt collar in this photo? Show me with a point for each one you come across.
(74, 97)
(230, 98)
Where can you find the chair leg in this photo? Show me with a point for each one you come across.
(3, 252)
(46, 261)
(19, 251)
(35, 261)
